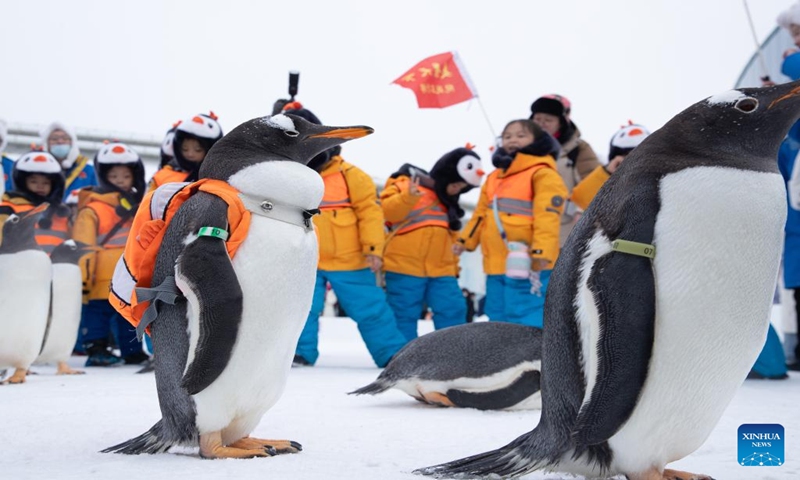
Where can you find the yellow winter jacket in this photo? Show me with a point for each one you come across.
(96, 218)
(352, 228)
(426, 251)
(540, 230)
(585, 191)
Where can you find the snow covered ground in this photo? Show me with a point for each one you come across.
(54, 427)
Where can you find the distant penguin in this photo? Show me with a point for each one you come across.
(65, 309)
(483, 365)
(659, 303)
(223, 354)
(25, 273)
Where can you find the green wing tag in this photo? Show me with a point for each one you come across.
(634, 248)
(213, 232)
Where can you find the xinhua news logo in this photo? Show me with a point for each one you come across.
(761, 445)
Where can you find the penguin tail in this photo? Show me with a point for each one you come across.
(378, 386)
(151, 441)
(512, 460)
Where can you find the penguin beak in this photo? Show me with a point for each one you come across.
(32, 214)
(345, 133)
(792, 93)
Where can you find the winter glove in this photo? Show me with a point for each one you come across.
(536, 283)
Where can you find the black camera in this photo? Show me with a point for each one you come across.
(294, 80)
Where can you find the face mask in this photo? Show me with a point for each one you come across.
(60, 151)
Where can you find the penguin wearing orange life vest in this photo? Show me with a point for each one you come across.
(223, 346)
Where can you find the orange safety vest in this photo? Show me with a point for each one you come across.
(428, 212)
(135, 267)
(47, 238)
(167, 175)
(337, 195)
(514, 193)
(107, 218)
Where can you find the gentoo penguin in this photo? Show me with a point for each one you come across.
(222, 354)
(25, 273)
(65, 309)
(483, 365)
(659, 303)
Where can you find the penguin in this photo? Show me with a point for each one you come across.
(223, 352)
(25, 273)
(65, 308)
(482, 365)
(659, 303)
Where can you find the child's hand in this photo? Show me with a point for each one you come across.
(789, 51)
(538, 264)
(458, 249)
(374, 262)
(614, 164)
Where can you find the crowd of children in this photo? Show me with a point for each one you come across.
(388, 254)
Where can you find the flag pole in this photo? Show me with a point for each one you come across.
(760, 54)
(486, 117)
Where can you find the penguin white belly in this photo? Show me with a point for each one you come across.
(276, 267)
(415, 386)
(24, 305)
(718, 242)
(65, 314)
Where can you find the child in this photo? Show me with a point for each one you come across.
(37, 178)
(622, 143)
(192, 141)
(105, 216)
(424, 215)
(350, 232)
(62, 142)
(517, 222)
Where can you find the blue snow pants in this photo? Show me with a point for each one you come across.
(98, 318)
(510, 300)
(408, 295)
(771, 362)
(365, 302)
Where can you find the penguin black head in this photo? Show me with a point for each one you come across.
(70, 251)
(18, 230)
(733, 128)
(279, 137)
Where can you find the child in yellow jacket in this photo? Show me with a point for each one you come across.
(350, 233)
(517, 222)
(105, 217)
(424, 215)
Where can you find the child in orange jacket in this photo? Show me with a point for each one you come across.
(424, 215)
(517, 223)
(105, 217)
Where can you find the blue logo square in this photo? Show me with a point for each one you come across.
(761, 445)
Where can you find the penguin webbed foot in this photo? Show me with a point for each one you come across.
(17, 378)
(64, 369)
(667, 474)
(211, 447)
(273, 447)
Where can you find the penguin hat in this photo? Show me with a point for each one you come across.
(482, 365)
(202, 128)
(639, 360)
(167, 151)
(626, 139)
(114, 155)
(37, 162)
(222, 356)
(461, 165)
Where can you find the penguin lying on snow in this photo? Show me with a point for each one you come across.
(222, 356)
(65, 311)
(483, 365)
(659, 303)
(25, 273)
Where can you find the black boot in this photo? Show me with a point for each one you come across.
(99, 354)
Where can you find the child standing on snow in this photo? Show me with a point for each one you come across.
(350, 232)
(105, 217)
(38, 178)
(517, 222)
(424, 215)
(192, 140)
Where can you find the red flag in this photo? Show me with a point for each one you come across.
(438, 81)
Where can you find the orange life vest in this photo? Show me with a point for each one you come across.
(46, 238)
(107, 219)
(337, 195)
(514, 193)
(135, 267)
(428, 212)
(167, 175)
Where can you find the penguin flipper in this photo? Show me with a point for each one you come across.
(623, 286)
(523, 387)
(205, 275)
